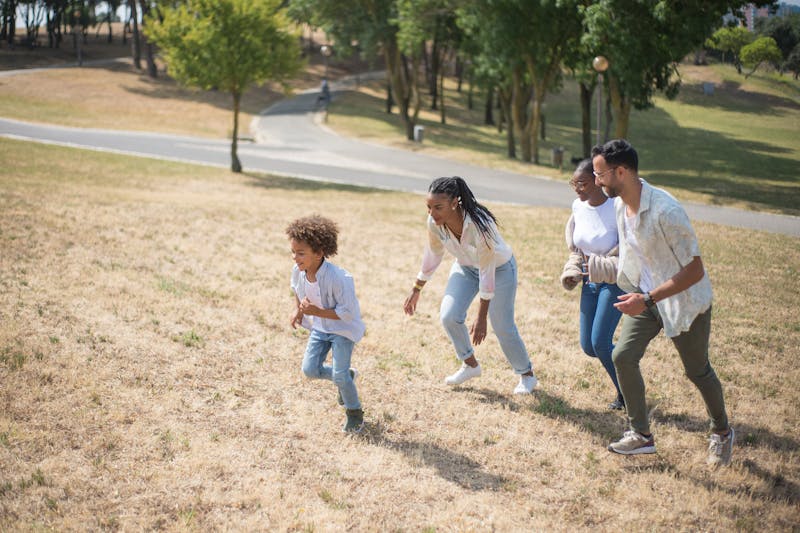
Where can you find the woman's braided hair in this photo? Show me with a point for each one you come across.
(456, 187)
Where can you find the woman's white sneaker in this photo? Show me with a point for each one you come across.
(526, 385)
(464, 373)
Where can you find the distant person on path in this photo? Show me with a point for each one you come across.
(325, 93)
(661, 268)
(485, 266)
(326, 304)
(592, 239)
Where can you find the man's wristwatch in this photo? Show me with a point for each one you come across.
(648, 300)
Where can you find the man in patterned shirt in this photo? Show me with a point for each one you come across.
(666, 288)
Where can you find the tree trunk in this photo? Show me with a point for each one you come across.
(404, 86)
(501, 122)
(459, 73)
(436, 67)
(505, 97)
(136, 48)
(152, 70)
(488, 117)
(10, 21)
(236, 165)
(520, 121)
(470, 91)
(536, 124)
(443, 118)
(621, 106)
(586, 118)
(389, 98)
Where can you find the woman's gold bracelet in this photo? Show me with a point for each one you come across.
(418, 286)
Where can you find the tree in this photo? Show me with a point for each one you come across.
(792, 63)
(434, 21)
(761, 50)
(229, 45)
(785, 30)
(374, 25)
(644, 61)
(731, 40)
(532, 37)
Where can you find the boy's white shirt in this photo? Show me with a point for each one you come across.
(337, 292)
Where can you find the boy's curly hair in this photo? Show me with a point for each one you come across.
(317, 231)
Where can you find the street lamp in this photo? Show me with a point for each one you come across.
(326, 53)
(600, 64)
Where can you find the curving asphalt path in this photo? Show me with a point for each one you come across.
(289, 140)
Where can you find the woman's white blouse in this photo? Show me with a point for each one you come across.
(473, 250)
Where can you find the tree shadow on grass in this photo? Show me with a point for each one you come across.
(747, 435)
(727, 168)
(605, 424)
(449, 465)
(728, 96)
(267, 181)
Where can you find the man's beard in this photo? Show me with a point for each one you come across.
(611, 192)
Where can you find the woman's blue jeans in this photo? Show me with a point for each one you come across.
(462, 287)
(319, 344)
(598, 321)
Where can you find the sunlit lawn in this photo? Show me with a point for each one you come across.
(149, 379)
(739, 146)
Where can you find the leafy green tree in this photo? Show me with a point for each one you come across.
(792, 63)
(763, 49)
(532, 37)
(430, 21)
(644, 41)
(785, 30)
(229, 45)
(731, 40)
(373, 24)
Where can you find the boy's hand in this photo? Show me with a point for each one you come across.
(307, 308)
(296, 318)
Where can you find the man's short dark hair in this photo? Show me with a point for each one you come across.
(618, 152)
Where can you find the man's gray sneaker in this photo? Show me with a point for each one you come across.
(633, 443)
(720, 449)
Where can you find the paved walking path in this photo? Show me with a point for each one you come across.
(291, 141)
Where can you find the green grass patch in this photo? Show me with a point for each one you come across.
(739, 146)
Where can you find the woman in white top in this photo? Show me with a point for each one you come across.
(593, 241)
(485, 266)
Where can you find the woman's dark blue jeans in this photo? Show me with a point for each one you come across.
(599, 319)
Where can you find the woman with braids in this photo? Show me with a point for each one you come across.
(484, 265)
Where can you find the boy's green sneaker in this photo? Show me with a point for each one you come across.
(353, 374)
(355, 421)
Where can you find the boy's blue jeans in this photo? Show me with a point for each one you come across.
(319, 344)
(598, 321)
(462, 287)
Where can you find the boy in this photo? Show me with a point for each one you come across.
(326, 304)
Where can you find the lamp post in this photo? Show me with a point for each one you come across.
(600, 65)
(326, 53)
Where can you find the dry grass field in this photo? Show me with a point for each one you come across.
(149, 378)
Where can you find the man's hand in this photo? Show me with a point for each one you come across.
(631, 303)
